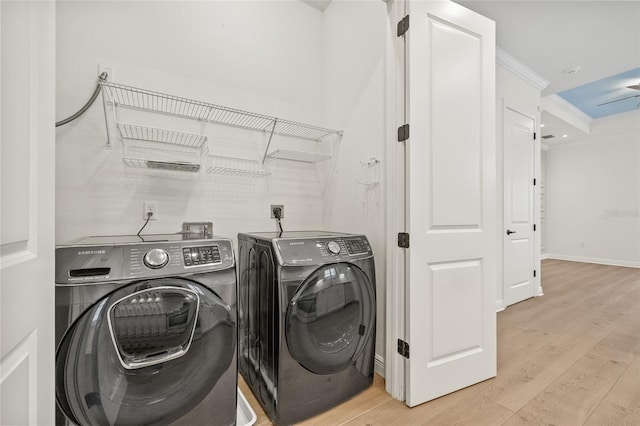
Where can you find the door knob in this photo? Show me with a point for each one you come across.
(509, 232)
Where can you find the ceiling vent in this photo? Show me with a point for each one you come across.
(548, 137)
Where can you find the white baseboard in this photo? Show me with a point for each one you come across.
(544, 256)
(379, 365)
(500, 305)
(611, 262)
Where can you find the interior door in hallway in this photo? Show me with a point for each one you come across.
(519, 219)
(451, 200)
(27, 187)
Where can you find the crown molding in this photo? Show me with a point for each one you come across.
(518, 68)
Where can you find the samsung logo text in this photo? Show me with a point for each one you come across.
(83, 252)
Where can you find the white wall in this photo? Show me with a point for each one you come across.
(354, 82)
(515, 92)
(593, 194)
(280, 58)
(265, 57)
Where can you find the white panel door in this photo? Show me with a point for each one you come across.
(519, 150)
(451, 203)
(27, 176)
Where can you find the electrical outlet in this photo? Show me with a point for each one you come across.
(150, 207)
(107, 69)
(274, 207)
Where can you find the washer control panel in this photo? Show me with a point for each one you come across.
(157, 259)
(81, 264)
(195, 256)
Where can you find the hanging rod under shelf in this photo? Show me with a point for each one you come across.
(302, 156)
(132, 97)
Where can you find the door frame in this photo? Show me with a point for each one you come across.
(530, 108)
(396, 113)
(503, 105)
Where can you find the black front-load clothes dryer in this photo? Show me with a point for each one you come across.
(306, 318)
(146, 331)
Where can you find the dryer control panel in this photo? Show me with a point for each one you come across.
(308, 251)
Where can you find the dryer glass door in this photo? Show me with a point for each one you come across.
(148, 353)
(330, 318)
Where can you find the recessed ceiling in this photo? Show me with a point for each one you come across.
(571, 44)
(602, 38)
(607, 96)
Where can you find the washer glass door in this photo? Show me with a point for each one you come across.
(146, 354)
(330, 318)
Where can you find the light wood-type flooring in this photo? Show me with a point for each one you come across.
(571, 357)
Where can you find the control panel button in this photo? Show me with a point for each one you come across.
(195, 256)
(333, 247)
(156, 258)
(356, 246)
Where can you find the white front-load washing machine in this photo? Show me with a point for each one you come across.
(146, 331)
(306, 317)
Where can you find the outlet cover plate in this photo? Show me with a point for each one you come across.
(150, 207)
(281, 207)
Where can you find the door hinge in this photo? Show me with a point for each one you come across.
(534, 136)
(403, 26)
(534, 182)
(403, 348)
(403, 133)
(534, 272)
(403, 240)
(534, 227)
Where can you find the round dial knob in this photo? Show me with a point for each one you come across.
(156, 258)
(333, 247)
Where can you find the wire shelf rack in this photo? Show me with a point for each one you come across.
(228, 171)
(155, 154)
(238, 167)
(303, 156)
(137, 132)
(132, 97)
